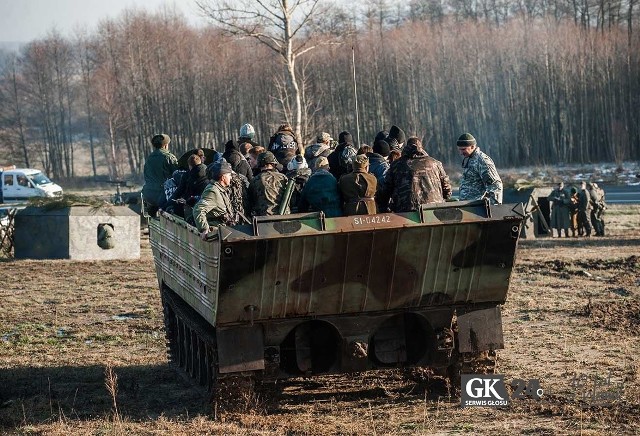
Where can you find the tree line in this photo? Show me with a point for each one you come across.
(535, 81)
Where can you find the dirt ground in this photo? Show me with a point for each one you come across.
(83, 352)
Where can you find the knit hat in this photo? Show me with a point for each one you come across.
(230, 145)
(323, 137)
(397, 133)
(345, 137)
(247, 131)
(215, 170)
(466, 140)
(297, 163)
(360, 161)
(321, 163)
(381, 147)
(160, 140)
(381, 135)
(266, 158)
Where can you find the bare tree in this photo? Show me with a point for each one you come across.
(288, 28)
(13, 113)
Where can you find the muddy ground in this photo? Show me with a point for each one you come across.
(572, 318)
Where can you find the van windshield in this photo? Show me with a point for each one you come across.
(39, 179)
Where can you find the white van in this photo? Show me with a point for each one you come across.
(20, 184)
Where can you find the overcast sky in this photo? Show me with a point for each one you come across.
(25, 20)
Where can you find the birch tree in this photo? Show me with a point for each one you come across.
(289, 28)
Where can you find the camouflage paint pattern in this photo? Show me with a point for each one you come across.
(303, 265)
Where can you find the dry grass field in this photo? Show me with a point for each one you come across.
(83, 352)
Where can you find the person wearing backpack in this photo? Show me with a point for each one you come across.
(341, 158)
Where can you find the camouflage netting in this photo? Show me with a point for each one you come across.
(69, 200)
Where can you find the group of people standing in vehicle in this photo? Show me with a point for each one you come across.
(579, 209)
(394, 174)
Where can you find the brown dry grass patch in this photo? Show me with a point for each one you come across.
(64, 322)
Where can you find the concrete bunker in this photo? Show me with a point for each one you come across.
(77, 233)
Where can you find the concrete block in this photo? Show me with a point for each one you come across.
(77, 233)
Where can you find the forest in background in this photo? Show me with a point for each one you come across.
(537, 83)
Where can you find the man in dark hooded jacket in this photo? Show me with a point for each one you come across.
(321, 192)
(190, 188)
(340, 160)
(237, 161)
(378, 163)
(414, 179)
(396, 138)
(299, 172)
(284, 145)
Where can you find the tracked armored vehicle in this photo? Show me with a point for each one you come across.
(302, 295)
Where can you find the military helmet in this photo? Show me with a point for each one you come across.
(266, 158)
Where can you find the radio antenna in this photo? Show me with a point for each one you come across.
(355, 93)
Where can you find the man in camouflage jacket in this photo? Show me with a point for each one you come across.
(214, 207)
(266, 189)
(480, 177)
(414, 179)
(598, 207)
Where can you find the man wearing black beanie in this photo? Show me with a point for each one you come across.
(396, 138)
(480, 177)
(341, 158)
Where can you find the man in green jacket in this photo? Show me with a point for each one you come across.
(214, 207)
(266, 190)
(159, 166)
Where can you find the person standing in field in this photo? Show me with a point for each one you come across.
(584, 210)
(480, 178)
(158, 167)
(573, 212)
(560, 199)
(598, 206)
